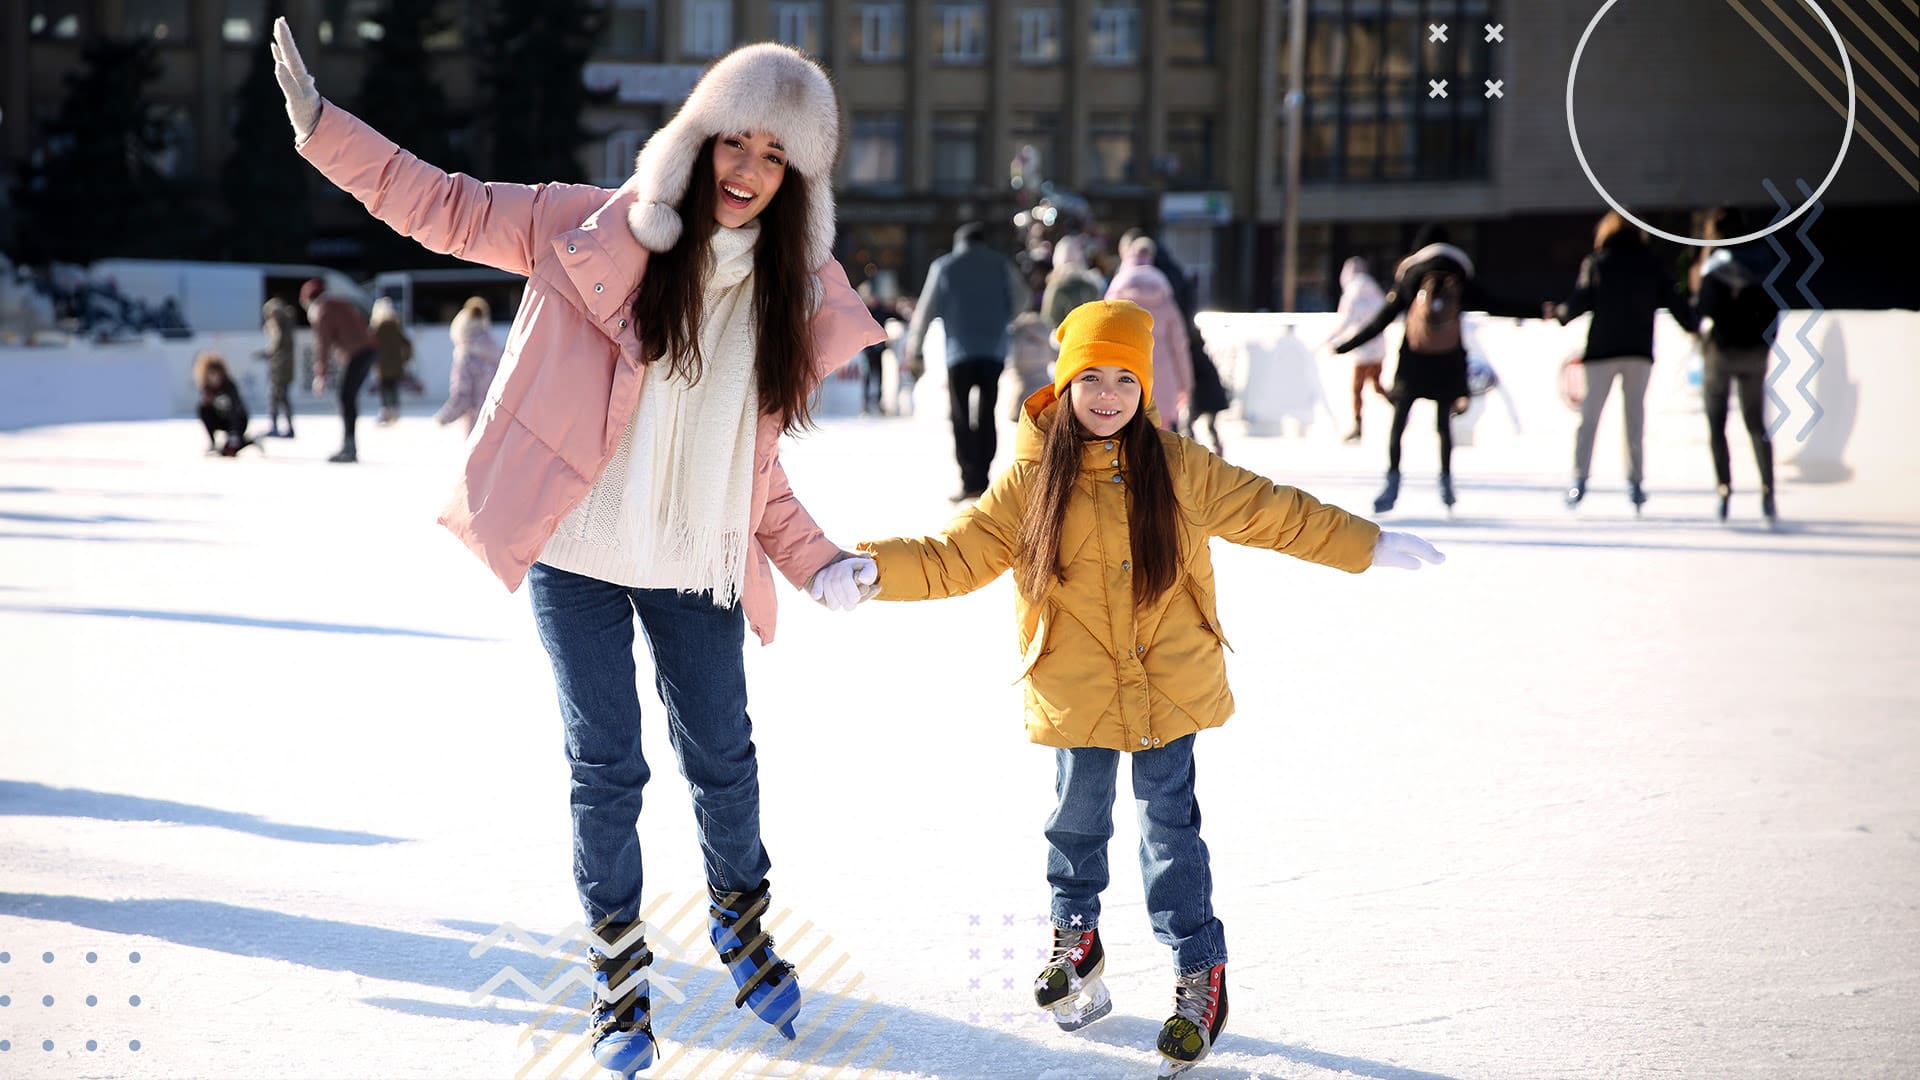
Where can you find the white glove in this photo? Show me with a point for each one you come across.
(303, 101)
(1404, 551)
(843, 583)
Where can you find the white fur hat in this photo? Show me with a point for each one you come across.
(765, 87)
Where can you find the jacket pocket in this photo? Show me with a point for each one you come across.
(1209, 617)
(1037, 646)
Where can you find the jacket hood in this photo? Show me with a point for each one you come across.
(765, 87)
(1435, 251)
(1142, 283)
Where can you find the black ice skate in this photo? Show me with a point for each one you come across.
(1199, 1015)
(1070, 984)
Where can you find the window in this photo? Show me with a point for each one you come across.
(162, 20)
(874, 153)
(797, 23)
(346, 22)
(64, 19)
(244, 22)
(1369, 116)
(1110, 141)
(619, 151)
(175, 157)
(633, 28)
(1039, 130)
(1190, 33)
(882, 31)
(1190, 146)
(1039, 35)
(1116, 32)
(960, 33)
(956, 151)
(709, 27)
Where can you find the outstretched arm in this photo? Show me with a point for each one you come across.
(1580, 302)
(1397, 302)
(977, 546)
(454, 214)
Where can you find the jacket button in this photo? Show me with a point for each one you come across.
(1126, 564)
(1143, 741)
(597, 287)
(1138, 649)
(623, 324)
(1116, 478)
(1109, 444)
(570, 249)
(1115, 463)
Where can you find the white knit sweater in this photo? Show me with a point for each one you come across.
(672, 508)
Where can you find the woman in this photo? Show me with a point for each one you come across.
(1360, 300)
(476, 357)
(1733, 305)
(222, 412)
(1624, 285)
(1140, 282)
(706, 281)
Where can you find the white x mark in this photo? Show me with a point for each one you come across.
(1436, 88)
(1493, 88)
(1493, 31)
(1436, 31)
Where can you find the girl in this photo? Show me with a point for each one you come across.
(1104, 520)
(707, 279)
(1624, 284)
(476, 356)
(222, 412)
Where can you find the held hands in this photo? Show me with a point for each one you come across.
(843, 583)
(1404, 551)
(303, 100)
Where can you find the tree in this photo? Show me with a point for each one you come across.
(531, 62)
(401, 99)
(93, 187)
(264, 179)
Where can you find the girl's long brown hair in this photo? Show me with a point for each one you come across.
(667, 305)
(1153, 513)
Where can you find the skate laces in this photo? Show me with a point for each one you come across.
(1069, 947)
(1195, 998)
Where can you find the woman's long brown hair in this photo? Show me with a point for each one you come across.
(1153, 513)
(667, 306)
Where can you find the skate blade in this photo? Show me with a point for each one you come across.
(1170, 1067)
(1074, 1020)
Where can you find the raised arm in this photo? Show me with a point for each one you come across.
(451, 213)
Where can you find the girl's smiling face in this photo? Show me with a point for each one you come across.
(1105, 397)
(748, 167)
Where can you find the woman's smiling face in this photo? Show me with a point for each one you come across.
(1105, 397)
(748, 166)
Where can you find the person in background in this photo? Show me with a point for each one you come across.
(874, 357)
(222, 412)
(476, 357)
(1624, 285)
(396, 352)
(1736, 317)
(1140, 282)
(1360, 300)
(1208, 397)
(338, 327)
(975, 291)
(1071, 283)
(277, 321)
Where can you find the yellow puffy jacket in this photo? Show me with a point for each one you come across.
(1099, 671)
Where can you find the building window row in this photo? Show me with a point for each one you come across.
(1112, 155)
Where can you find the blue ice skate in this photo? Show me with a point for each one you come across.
(622, 1024)
(766, 983)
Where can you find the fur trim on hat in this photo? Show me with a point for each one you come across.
(765, 87)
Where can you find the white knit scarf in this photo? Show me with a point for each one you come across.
(672, 508)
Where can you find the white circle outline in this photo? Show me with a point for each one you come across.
(1846, 140)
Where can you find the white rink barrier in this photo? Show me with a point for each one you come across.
(1866, 382)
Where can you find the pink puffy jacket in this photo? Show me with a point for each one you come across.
(572, 364)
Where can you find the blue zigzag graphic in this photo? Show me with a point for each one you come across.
(1782, 361)
(1806, 328)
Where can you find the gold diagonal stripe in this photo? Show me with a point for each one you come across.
(1895, 23)
(1867, 29)
(1859, 128)
(1820, 51)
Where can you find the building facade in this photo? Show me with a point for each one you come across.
(1170, 114)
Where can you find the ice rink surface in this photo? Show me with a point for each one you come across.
(1598, 798)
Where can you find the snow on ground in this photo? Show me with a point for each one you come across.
(1599, 798)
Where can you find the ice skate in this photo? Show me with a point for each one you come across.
(1575, 493)
(1389, 494)
(767, 984)
(1768, 510)
(622, 1021)
(1636, 495)
(1446, 491)
(1199, 1015)
(1070, 985)
(1726, 493)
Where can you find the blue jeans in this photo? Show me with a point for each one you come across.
(1173, 858)
(587, 627)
